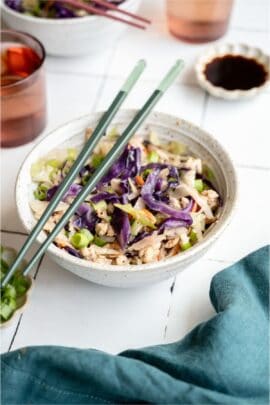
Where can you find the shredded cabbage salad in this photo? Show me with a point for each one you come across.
(52, 8)
(156, 201)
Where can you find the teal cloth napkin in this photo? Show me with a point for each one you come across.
(221, 361)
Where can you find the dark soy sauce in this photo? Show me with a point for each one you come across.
(235, 72)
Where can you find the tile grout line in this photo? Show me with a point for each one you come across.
(92, 75)
(19, 322)
(169, 309)
(13, 232)
(253, 167)
(172, 287)
(117, 77)
(239, 28)
(204, 108)
(220, 261)
(104, 76)
(15, 333)
(38, 267)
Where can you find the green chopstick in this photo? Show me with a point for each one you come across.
(99, 131)
(110, 158)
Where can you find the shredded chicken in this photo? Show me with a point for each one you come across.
(93, 252)
(175, 203)
(171, 243)
(188, 177)
(153, 240)
(184, 202)
(101, 228)
(38, 207)
(184, 190)
(116, 185)
(212, 198)
(121, 260)
(148, 254)
(62, 240)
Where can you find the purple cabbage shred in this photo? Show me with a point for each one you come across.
(147, 193)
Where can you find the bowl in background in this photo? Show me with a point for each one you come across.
(167, 128)
(70, 36)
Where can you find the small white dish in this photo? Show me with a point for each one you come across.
(70, 36)
(9, 254)
(231, 49)
(167, 128)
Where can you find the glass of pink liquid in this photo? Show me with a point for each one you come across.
(23, 93)
(198, 20)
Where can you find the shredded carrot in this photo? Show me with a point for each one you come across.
(149, 215)
(176, 249)
(139, 180)
(195, 207)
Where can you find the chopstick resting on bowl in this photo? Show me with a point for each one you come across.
(95, 10)
(98, 133)
(113, 154)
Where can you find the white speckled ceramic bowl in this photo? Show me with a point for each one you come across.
(168, 128)
(231, 49)
(70, 36)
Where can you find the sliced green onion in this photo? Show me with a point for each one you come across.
(193, 237)
(96, 160)
(54, 163)
(208, 173)
(186, 246)
(81, 239)
(7, 307)
(72, 153)
(153, 157)
(85, 179)
(20, 283)
(53, 174)
(4, 265)
(99, 241)
(198, 184)
(9, 291)
(146, 172)
(67, 166)
(41, 192)
(113, 133)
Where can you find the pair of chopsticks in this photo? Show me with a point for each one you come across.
(109, 6)
(83, 156)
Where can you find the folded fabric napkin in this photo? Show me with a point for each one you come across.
(221, 361)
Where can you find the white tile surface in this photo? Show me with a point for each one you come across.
(86, 65)
(251, 15)
(70, 96)
(190, 302)
(242, 127)
(180, 100)
(69, 311)
(249, 228)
